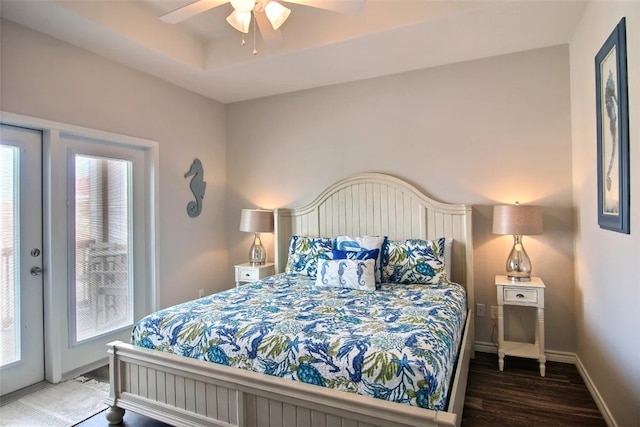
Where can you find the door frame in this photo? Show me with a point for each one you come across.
(54, 238)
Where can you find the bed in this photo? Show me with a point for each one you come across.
(180, 390)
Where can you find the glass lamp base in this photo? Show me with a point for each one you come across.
(518, 263)
(257, 253)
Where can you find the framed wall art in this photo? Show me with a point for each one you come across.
(612, 116)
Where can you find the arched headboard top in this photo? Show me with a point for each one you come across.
(376, 204)
(377, 179)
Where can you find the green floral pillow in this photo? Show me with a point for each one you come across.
(414, 261)
(304, 252)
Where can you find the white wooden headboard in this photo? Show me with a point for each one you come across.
(375, 204)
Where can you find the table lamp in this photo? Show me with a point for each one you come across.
(257, 221)
(517, 220)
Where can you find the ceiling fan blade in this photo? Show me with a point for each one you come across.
(272, 38)
(190, 10)
(348, 7)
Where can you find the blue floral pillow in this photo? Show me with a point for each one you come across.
(347, 273)
(414, 261)
(304, 252)
(360, 244)
(361, 255)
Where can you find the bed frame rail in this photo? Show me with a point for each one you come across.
(188, 392)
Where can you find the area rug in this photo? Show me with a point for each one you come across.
(64, 404)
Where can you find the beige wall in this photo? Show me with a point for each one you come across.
(607, 263)
(482, 132)
(48, 79)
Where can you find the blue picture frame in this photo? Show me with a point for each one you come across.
(612, 116)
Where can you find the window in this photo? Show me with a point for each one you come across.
(103, 257)
(9, 285)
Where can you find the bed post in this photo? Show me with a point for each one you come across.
(114, 414)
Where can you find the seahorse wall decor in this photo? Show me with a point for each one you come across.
(197, 186)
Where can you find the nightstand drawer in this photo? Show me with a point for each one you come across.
(248, 274)
(529, 296)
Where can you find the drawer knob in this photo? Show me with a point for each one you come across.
(247, 274)
(519, 295)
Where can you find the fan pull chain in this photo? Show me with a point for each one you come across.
(255, 51)
(241, 32)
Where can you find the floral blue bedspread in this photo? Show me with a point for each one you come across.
(398, 343)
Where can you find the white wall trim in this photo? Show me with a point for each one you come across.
(42, 124)
(602, 406)
(564, 357)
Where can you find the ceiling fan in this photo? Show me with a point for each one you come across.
(269, 15)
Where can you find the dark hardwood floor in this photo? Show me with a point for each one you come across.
(518, 396)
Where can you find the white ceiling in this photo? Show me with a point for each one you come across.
(204, 53)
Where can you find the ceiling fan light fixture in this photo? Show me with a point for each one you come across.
(276, 13)
(240, 21)
(243, 5)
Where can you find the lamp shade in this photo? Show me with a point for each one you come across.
(256, 221)
(276, 13)
(517, 219)
(240, 21)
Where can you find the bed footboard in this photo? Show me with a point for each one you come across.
(188, 392)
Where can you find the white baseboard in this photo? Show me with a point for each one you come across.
(552, 355)
(485, 347)
(564, 357)
(84, 369)
(604, 410)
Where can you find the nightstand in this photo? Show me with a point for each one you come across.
(529, 294)
(247, 272)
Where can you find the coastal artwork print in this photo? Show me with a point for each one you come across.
(609, 137)
(613, 132)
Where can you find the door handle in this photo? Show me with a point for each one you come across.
(36, 271)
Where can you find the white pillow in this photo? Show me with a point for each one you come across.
(347, 273)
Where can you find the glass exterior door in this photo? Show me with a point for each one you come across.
(21, 269)
(77, 262)
(105, 228)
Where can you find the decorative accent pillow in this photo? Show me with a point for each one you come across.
(414, 261)
(360, 244)
(304, 252)
(361, 255)
(347, 273)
